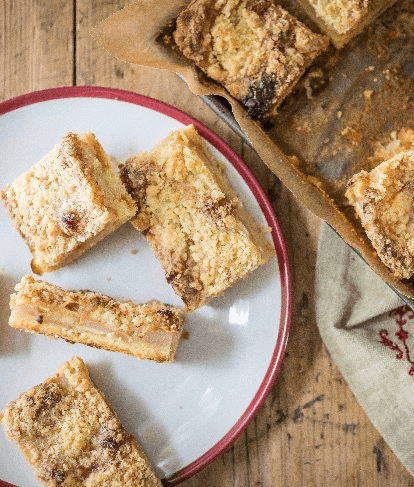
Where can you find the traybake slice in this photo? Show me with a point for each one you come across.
(194, 221)
(67, 202)
(146, 331)
(70, 435)
(344, 19)
(254, 48)
(384, 201)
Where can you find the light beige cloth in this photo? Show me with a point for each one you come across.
(369, 334)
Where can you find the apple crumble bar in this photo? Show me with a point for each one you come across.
(341, 15)
(146, 331)
(344, 19)
(384, 201)
(67, 202)
(254, 48)
(192, 218)
(71, 436)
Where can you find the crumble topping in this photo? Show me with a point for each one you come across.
(254, 48)
(71, 436)
(194, 221)
(67, 202)
(384, 201)
(342, 15)
(148, 331)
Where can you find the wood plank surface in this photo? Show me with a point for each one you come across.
(36, 45)
(310, 431)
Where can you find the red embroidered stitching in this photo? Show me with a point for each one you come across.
(388, 343)
(401, 334)
(402, 311)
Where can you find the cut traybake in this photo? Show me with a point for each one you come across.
(384, 201)
(67, 202)
(254, 48)
(71, 436)
(344, 19)
(146, 331)
(341, 15)
(194, 221)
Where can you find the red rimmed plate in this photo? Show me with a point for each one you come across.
(184, 414)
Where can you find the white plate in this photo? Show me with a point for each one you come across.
(184, 414)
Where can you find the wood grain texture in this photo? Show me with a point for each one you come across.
(36, 45)
(310, 431)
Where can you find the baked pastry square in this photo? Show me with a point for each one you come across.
(344, 19)
(254, 48)
(71, 436)
(384, 201)
(145, 331)
(341, 15)
(67, 202)
(194, 221)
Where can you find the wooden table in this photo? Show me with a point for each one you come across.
(310, 431)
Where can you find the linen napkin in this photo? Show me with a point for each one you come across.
(369, 332)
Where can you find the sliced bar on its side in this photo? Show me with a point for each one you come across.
(146, 331)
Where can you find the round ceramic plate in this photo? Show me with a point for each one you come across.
(184, 414)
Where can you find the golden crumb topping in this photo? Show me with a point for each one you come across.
(254, 48)
(66, 201)
(341, 15)
(71, 436)
(192, 218)
(150, 330)
(384, 201)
